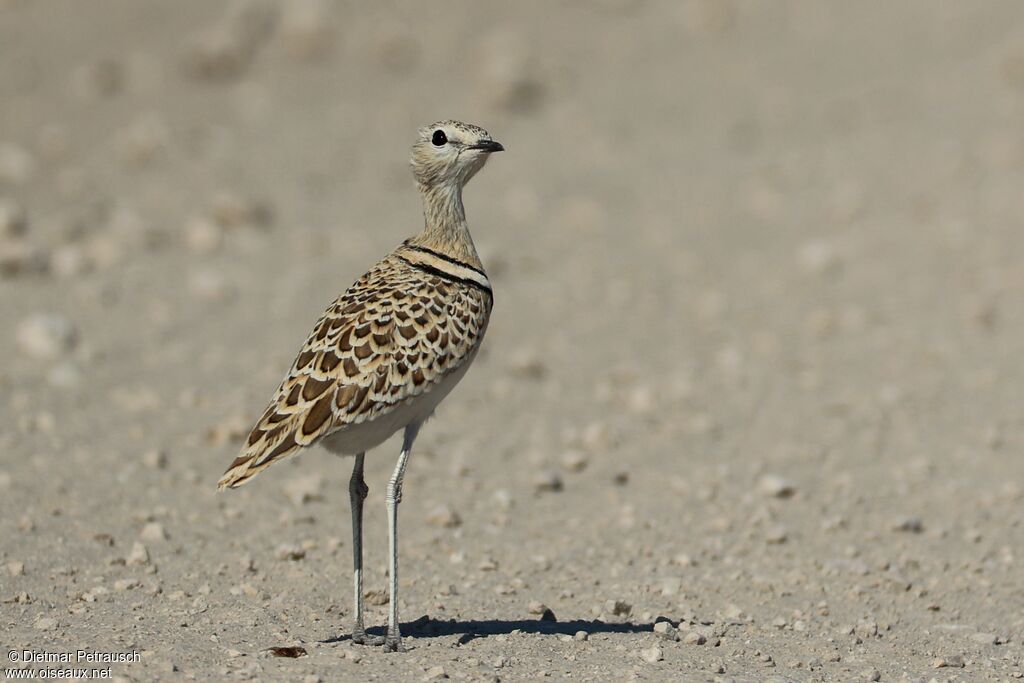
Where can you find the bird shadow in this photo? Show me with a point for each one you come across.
(425, 627)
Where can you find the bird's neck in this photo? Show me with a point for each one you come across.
(445, 229)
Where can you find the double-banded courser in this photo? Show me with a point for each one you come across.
(389, 349)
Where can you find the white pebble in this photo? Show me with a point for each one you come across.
(139, 555)
(153, 531)
(818, 258)
(155, 459)
(444, 516)
(574, 460)
(695, 638)
(46, 335)
(652, 654)
(776, 486)
(203, 235)
(618, 607)
(304, 489)
(537, 607)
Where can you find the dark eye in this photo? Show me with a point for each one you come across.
(439, 137)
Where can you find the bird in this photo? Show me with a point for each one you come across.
(388, 350)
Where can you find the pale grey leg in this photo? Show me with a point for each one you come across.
(394, 497)
(357, 494)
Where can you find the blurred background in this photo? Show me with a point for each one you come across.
(754, 363)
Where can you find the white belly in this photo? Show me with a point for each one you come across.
(362, 437)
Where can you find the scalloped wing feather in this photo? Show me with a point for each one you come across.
(391, 337)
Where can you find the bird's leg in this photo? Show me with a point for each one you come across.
(357, 494)
(394, 497)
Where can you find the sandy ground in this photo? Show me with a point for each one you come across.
(755, 366)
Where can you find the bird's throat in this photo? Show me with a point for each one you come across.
(445, 228)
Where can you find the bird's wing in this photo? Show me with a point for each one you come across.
(391, 337)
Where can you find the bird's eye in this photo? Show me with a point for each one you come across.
(439, 137)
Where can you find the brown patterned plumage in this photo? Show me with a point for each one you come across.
(387, 351)
(408, 323)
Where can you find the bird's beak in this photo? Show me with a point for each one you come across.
(488, 146)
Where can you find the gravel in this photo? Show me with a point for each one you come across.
(751, 381)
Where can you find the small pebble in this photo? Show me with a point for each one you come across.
(819, 258)
(203, 236)
(435, 673)
(695, 638)
(618, 608)
(574, 461)
(155, 459)
(953, 662)
(866, 628)
(776, 487)
(581, 636)
(153, 531)
(301, 490)
(15, 568)
(537, 607)
(683, 560)
(46, 335)
(872, 675)
(652, 654)
(776, 534)
(139, 555)
(913, 525)
(547, 481)
(444, 516)
(665, 630)
(289, 552)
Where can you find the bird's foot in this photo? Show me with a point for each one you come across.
(360, 637)
(393, 643)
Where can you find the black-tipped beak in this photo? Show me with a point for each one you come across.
(488, 146)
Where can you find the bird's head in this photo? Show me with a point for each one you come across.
(450, 153)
